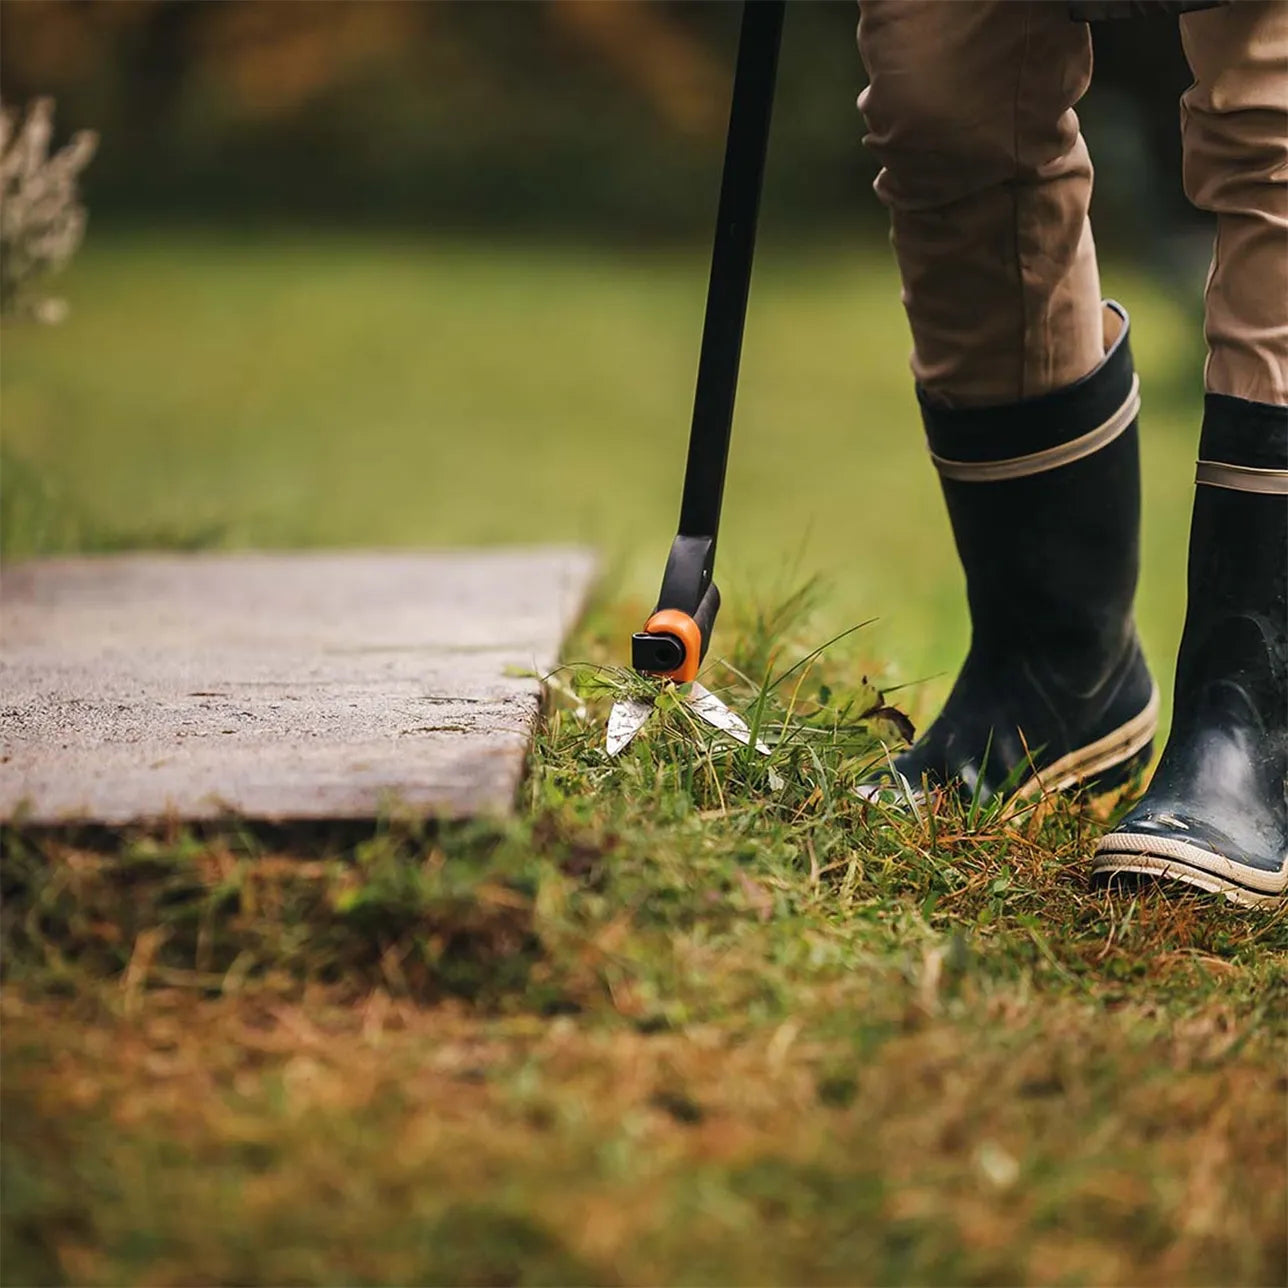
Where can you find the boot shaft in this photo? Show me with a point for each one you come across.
(1216, 812)
(1237, 579)
(1044, 500)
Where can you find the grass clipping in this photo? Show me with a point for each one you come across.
(823, 730)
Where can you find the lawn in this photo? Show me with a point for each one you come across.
(297, 392)
(671, 1024)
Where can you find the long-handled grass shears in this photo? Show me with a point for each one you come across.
(675, 638)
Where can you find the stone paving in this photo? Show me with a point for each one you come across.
(277, 687)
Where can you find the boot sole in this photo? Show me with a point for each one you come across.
(1103, 765)
(1106, 763)
(1166, 858)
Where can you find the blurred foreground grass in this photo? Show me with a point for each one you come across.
(670, 1024)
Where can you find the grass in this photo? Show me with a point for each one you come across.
(671, 1023)
(320, 392)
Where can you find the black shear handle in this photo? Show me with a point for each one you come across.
(687, 587)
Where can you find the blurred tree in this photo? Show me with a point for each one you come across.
(554, 115)
(657, 55)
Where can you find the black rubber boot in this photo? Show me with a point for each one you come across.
(1044, 498)
(1216, 812)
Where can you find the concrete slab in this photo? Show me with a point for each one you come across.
(139, 688)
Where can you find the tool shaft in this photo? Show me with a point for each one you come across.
(731, 260)
(689, 597)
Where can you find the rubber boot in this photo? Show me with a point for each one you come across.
(1216, 812)
(1044, 499)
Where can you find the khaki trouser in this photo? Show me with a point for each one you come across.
(969, 110)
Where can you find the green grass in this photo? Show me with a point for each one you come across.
(670, 1024)
(288, 393)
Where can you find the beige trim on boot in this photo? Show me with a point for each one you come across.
(1242, 478)
(1173, 859)
(1051, 458)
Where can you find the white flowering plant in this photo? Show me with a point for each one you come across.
(41, 218)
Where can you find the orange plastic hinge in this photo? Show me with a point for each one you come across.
(670, 621)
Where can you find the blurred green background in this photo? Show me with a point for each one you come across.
(402, 273)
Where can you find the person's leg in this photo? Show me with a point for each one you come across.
(1216, 812)
(1026, 385)
(969, 108)
(1234, 128)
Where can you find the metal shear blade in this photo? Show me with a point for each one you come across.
(624, 721)
(627, 718)
(708, 707)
